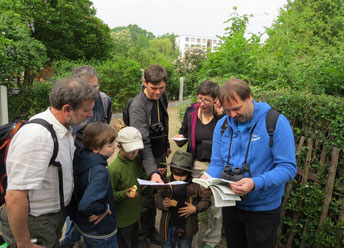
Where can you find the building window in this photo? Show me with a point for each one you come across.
(204, 41)
(192, 39)
(214, 41)
(186, 38)
(220, 41)
(186, 45)
(198, 40)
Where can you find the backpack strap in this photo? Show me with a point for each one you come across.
(125, 113)
(105, 102)
(53, 161)
(224, 126)
(271, 120)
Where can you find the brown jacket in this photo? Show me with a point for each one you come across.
(194, 196)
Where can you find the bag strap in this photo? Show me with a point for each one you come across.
(105, 103)
(224, 126)
(53, 161)
(271, 120)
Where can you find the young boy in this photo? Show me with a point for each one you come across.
(124, 172)
(93, 207)
(180, 204)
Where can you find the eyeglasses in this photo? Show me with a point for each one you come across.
(95, 86)
(204, 100)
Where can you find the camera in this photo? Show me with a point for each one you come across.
(230, 175)
(156, 128)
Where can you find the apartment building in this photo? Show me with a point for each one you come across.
(186, 41)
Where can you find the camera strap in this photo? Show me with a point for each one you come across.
(245, 165)
(157, 106)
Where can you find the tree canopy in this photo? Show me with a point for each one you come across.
(67, 30)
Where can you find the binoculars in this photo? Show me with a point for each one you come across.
(230, 175)
(156, 128)
(237, 172)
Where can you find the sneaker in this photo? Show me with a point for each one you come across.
(143, 244)
(154, 237)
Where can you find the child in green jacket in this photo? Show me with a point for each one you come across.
(124, 172)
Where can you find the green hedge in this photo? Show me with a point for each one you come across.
(29, 101)
(121, 80)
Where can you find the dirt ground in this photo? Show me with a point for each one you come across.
(174, 125)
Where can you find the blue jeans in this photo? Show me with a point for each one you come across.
(173, 240)
(72, 234)
(101, 243)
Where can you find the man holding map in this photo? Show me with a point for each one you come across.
(259, 164)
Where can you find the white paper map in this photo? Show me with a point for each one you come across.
(178, 139)
(146, 182)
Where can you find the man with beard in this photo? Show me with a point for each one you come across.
(33, 209)
(242, 148)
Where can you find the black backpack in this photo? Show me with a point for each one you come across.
(271, 120)
(125, 113)
(7, 132)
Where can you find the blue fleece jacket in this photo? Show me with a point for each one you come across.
(271, 167)
(92, 194)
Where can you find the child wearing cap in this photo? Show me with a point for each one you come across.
(92, 207)
(180, 204)
(124, 171)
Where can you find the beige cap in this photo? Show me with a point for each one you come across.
(130, 138)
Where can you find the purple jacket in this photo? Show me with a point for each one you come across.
(188, 128)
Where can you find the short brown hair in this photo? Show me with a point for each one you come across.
(155, 74)
(208, 88)
(233, 88)
(98, 134)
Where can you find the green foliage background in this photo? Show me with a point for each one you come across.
(298, 70)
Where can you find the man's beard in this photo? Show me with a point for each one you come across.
(73, 121)
(241, 118)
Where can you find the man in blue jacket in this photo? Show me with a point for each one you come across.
(261, 170)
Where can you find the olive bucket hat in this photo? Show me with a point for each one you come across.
(182, 160)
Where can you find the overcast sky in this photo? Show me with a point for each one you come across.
(186, 17)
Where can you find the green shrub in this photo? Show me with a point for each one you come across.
(121, 80)
(29, 101)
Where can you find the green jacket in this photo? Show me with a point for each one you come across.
(123, 174)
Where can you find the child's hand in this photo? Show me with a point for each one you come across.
(162, 171)
(98, 218)
(132, 192)
(166, 203)
(188, 210)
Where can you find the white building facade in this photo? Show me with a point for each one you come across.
(184, 42)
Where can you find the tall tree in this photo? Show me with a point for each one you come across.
(164, 46)
(67, 29)
(18, 50)
(139, 35)
(305, 47)
(236, 55)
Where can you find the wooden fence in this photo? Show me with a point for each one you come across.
(304, 176)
